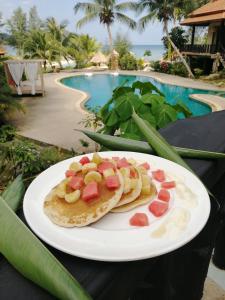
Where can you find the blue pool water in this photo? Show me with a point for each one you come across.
(100, 88)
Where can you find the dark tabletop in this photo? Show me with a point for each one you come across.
(174, 276)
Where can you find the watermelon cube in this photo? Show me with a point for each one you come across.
(90, 191)
(122, 163)
(164, 195)
(70, 173)
(84, 160)
(139, 219)
(159, 175)
(104, 166)
(158, 208)
(112, 182)
(76, 182)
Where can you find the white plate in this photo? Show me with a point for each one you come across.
(112, 238)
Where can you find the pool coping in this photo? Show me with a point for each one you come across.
(80, 104)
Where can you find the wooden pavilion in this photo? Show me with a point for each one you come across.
(211, 15)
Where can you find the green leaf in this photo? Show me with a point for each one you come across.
(112, 119)
(146, 87)
(149, 117)
(150, 98)
(14, 192)
(166, 115)
(124, 110)
(181, 107)
(143, 108)
(121, 91)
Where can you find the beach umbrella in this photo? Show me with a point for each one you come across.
(99, 58)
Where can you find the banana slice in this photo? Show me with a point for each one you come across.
(72, 197)
(132, 161)
(61, 189)
(89, 167)
(125, 172)
(108, 172)
(92, 176)
(76, 167)
(96, 159)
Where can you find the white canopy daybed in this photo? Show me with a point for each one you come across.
(30, 70)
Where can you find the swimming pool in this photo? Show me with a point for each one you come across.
(100, 87)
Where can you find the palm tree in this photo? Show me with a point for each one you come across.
(38, 45)
(163, 11)
(107, 12)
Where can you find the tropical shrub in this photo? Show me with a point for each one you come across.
(198, 72)
(25, 157)
(178, 36)
(177, 68)
(122, 44)
(7, 102)
(7, 133)
(148, 102)
(128, 62)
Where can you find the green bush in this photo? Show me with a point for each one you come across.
(27, 158)
(198, 72)
(176, 68)
(148, 102)
(179, 69)
(7, 102)
(7, 133)
(156, 65)
(128, 62)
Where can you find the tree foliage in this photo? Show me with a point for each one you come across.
(178, 36)
(17, 27)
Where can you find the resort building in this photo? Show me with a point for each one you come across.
(212, 16)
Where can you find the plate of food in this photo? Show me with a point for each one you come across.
(116, 206)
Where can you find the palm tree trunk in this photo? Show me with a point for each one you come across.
(190, 74)
(110, 38)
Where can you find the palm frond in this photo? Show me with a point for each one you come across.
(126, 6)
(144, 21)
(86, 7)
(125, 20)
(86, 19)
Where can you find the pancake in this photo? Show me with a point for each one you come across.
(80, 213)
(141, 200)
(134, 193)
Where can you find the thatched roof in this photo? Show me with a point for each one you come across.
(211, 12)
(2, 51)
(99, 58)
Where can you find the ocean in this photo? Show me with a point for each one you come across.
(156, 50)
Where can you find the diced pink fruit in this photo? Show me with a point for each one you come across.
(105, 165)
(139, 219)
(122, 163)
(70, 173)
(112, 182)
(84, 160)
(164, 195)
(158, 208)
(76, 182)
(145, 165)
(90, 191)
(116, 158)
(159, 175)
(168, 185)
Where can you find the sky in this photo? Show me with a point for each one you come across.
(62, 10)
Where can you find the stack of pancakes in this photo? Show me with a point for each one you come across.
(81, 213)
